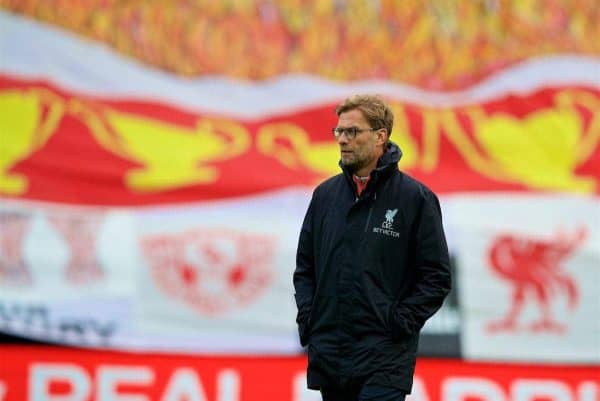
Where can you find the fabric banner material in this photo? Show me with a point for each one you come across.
(48, 374)
(529, 282)
(146, 211)
(152, 153)
(216, 273)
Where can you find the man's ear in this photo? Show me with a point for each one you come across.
(382, 136)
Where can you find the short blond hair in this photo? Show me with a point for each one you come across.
(377, 113)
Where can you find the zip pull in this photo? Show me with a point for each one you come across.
(371, 211)
(369, 217)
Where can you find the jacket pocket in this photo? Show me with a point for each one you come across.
(322, 318)
(374, 309)
(302, 319)
(303, 332)
(323, 365)
(397, 333)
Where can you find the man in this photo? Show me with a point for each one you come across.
(372, 264)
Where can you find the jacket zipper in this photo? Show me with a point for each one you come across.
(370, 212)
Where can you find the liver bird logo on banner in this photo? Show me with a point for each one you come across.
(534, 270)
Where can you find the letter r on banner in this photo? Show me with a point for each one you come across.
(42, 374)
(460, 389)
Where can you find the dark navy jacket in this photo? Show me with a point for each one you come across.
(369, 272)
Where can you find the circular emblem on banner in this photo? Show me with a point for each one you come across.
(213, 271)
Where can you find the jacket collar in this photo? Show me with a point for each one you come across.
(389, 160)
(387, 163)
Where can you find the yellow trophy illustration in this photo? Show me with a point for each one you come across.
(543, 149)
(291, 145)
(171, 156)
(540, 150)
(27, 119)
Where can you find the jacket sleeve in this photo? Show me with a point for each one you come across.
(304, 275)
(432, 264)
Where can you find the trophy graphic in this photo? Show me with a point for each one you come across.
(540, 150)
(27, 119)
(171, 156)
(291, 145)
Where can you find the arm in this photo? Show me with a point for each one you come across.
(304, 275)
(432, 280)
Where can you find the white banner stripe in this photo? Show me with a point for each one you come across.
(81, 65)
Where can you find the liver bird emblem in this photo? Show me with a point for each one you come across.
(533, 268)
(389, 215)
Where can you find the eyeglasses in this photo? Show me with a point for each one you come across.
(350, 132)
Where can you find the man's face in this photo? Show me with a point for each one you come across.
(362, 151)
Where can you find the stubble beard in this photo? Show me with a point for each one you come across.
(355, 164)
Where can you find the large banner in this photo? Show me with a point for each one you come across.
(528, 283)
(53, 374)
(152, 195)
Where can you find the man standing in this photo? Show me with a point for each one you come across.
(372, 264)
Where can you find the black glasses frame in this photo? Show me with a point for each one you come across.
(350, 132)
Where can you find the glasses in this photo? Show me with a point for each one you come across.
(350, 132)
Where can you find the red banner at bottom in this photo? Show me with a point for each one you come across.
(59, 374)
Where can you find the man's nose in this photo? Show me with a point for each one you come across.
(342, 139)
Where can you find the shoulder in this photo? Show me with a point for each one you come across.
(412, 187)
(413, 194)
(329, 185)
(415, 197)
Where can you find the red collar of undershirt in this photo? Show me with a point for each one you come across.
(361, 183)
